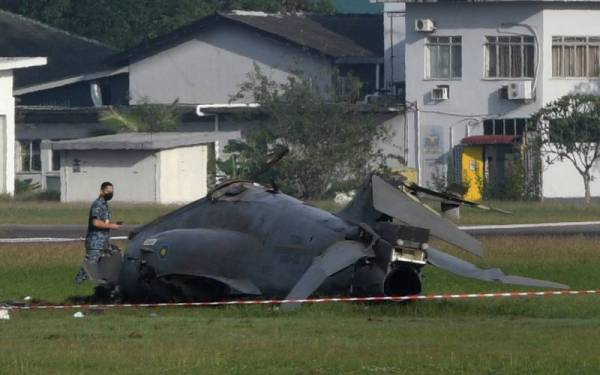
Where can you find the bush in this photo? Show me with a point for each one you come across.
(332, 141)
(27, 191)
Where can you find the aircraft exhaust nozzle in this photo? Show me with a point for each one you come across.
(403, 280)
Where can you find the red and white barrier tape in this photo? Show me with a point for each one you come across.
(430, 297)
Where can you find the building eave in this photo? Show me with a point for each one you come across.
(70, 80)
(10, 63)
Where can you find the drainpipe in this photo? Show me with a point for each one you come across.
(201, 107)
(418, 142)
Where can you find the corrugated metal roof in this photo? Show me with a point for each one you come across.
(68, 54)
(340, 35)
(144, 141)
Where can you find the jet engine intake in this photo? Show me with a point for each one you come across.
(403, 280)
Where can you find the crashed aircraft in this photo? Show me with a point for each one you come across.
(245, 240)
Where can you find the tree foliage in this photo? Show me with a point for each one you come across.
(332, 144)
(125, 23)
(144, 117)
(569, 129)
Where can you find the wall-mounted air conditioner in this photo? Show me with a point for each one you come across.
(440, 93)
(424, 25)
(520, 90)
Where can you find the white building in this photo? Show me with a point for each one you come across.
(144, 167)
(7, 117)
(483, 68)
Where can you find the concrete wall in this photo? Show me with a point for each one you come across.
(132, 172)
(395, 148)
(182, 174)
(7, 133)
(210, 68)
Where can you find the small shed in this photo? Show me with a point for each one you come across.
(144, 167)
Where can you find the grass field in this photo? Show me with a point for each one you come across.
(12, 212)
(550, 335)
(15, 212)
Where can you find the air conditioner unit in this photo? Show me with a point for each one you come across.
(424, 25)
(440, 93)
(520, 90)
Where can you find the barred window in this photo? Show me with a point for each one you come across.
(444, 57)
(575, 56)
(507, 126)
(509, 56)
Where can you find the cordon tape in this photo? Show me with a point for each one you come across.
(431, 297)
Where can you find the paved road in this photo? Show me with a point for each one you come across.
(55, 231)
(66, 232)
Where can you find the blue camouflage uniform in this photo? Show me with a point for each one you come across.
(97, 240)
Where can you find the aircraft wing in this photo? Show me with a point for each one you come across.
(461, 267)
(408, 209)
(337, 257)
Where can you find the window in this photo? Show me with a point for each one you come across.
(509, 57)
(55, 160)
(509, 126)
(575, 56)
(344, 86)
(29, 156)
(444, 57)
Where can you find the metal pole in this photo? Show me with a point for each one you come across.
(418, 142)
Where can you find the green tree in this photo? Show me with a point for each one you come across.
(332, 143)
(569, 129)
(125, 23)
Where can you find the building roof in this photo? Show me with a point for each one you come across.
(144, 141)
(68, 55)
(336, 36)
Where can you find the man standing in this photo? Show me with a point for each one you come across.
(99, 226)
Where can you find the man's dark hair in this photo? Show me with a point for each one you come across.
(105, 185)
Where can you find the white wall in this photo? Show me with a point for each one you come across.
(395, 147)
(182, 174)
(210, 68)
(7, 133)
(133, 174)
(562, 179)
(568, 20)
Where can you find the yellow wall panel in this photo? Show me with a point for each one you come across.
(472, 171)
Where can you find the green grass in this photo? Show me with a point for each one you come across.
(14, 212)
(549, 335)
